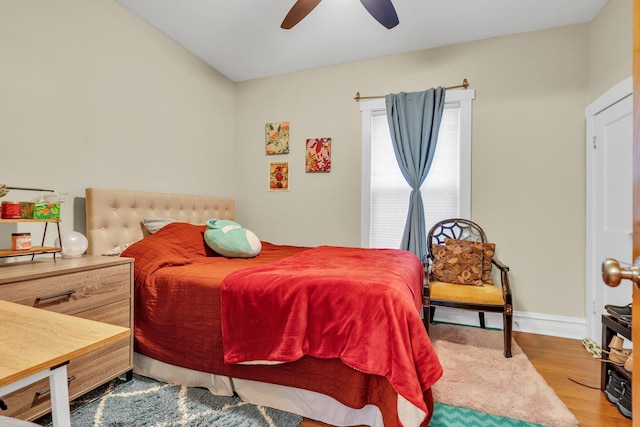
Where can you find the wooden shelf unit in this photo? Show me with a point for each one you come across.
(611, 327)
(35, 250)
(30, 220)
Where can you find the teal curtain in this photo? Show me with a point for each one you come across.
(414, 122)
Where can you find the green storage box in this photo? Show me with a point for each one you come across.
(46, 211)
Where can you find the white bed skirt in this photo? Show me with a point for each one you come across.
(14, 422)
(305, 403)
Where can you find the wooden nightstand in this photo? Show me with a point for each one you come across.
(92, 287)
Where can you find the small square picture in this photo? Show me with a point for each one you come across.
(278, 176)
(277, 138)
(318, 155)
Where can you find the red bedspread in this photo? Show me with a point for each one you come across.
(178, 321)
(359, 305)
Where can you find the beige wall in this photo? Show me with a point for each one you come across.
(527, 159)
(90, 95)
(528, 166)
(610, 47)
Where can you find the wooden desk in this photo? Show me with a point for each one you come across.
(38, 343)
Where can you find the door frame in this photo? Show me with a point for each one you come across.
(593, 276)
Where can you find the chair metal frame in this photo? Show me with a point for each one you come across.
(464, 229)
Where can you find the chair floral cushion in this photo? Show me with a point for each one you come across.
(461, 264)
(489, 249)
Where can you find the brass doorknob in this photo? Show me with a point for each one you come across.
(612, 273)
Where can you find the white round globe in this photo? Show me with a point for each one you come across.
(74, 244)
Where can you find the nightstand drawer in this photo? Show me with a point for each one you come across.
(117, 313)
(73, 292)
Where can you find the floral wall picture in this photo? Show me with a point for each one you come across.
(277, 137)
(318, 155)
(278, 176)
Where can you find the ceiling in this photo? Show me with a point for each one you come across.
(243, 40)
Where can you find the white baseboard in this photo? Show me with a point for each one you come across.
(535, 323)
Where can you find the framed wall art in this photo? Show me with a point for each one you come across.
(276, 137)
(278, 176)
(318, 155)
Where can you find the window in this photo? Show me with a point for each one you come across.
(446, 192)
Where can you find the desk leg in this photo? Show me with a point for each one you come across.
(60, 397)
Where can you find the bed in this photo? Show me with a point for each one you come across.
(279, 329)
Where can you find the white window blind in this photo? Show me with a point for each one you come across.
(445, 192)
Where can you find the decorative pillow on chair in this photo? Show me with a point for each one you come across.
(489, 251)
(231, 240)
(461, 264)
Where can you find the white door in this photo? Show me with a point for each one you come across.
(612, 197)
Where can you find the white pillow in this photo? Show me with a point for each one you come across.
(154, 224)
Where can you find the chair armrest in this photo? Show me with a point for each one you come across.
(504, 279)
(498, 264)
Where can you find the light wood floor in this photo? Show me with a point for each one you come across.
(559, 361)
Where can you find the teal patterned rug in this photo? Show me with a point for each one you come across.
(454, 416)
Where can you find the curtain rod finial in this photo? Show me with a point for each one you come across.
(357, 97)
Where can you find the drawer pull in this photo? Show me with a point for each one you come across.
(43, 392)
(60, 295)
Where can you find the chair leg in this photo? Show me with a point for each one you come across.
(426, 311)
(508, 328)
(482, 324)
(432, 314)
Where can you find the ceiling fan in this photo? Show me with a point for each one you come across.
(382, 10)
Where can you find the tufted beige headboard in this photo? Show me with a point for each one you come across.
(114, 217)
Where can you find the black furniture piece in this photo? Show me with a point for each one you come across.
(487, 298)
(611, 327)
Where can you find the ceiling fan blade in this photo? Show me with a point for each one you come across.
(298, 11)
(383, 11)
